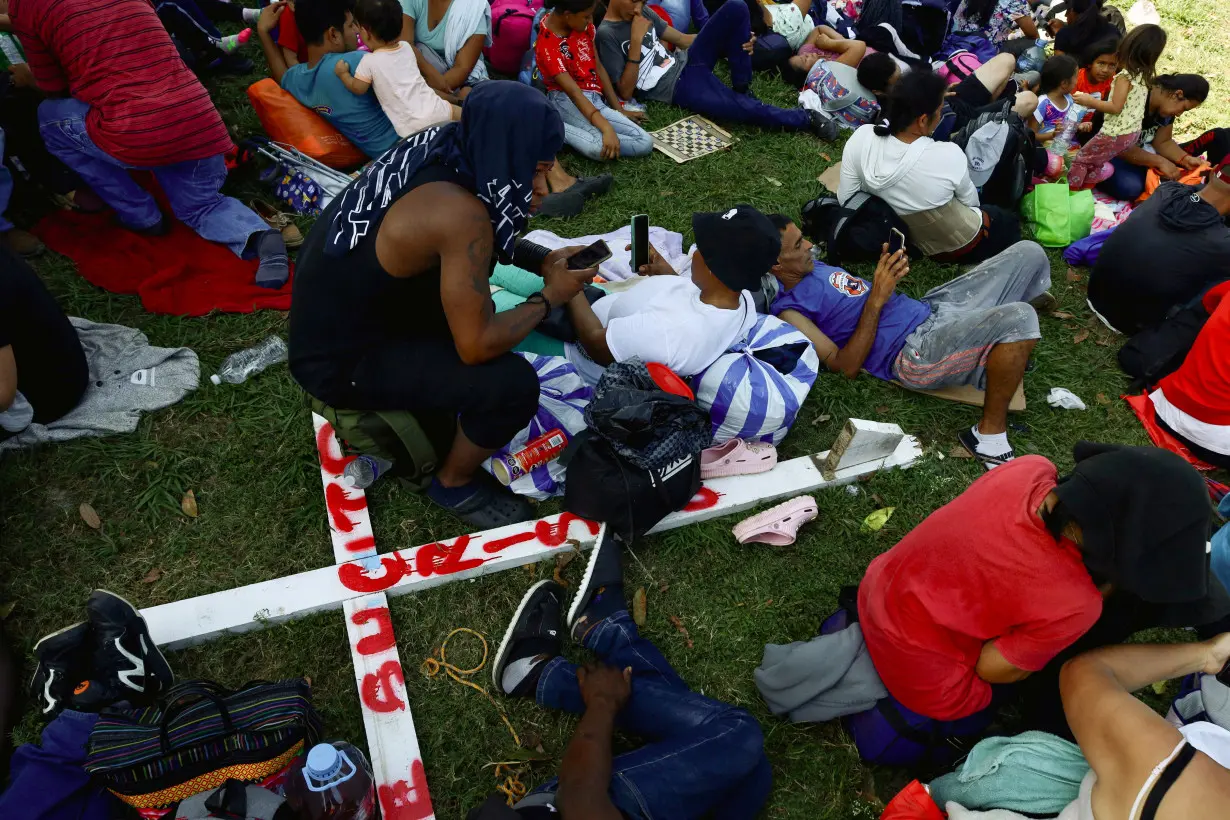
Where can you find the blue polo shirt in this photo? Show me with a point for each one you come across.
(358, 116)
(833, 299)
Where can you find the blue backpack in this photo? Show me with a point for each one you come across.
(529, 63)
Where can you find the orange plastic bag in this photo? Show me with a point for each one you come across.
(1153, 179)
(288, 121)
(912, 803)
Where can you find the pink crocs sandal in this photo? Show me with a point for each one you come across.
(737, 457)
(778, 526)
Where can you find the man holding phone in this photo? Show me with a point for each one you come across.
(685, 324)
(977, 330)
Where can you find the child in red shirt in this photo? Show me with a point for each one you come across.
(1097, 75)
(579, 88)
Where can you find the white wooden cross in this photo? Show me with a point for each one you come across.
(361, 580)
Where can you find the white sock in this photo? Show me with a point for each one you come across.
(250, 16)
(991, 444)
(518, 671)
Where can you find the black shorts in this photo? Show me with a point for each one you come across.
(970, 96)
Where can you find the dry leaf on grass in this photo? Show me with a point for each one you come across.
(1102, 399)
(89, 516)
(561, 563)
(825, 157)
(1080, 337)
(152, 576)
(960, 452)
(640, 607)
(683, 630)
(663, 587)
(774, 182)
(821, 419)
(1073, 275)
(1061, 314)
(876, 521)
(188, 504)
(882, 409)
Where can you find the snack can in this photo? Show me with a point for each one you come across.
(508, 468)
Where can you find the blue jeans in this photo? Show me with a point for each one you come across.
(6, 188)
(685, 13)
(704, 759)
(193, 188)
(698, 88)
(1128, 183)
(48, 781)
(586, 140)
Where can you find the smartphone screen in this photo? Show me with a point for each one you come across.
(896, 241)
(640, 242)
(590, 257)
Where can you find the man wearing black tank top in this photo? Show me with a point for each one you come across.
(392, 305)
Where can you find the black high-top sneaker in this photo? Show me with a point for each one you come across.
(63, 660)
(126, 663)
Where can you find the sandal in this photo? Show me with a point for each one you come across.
(291, 235)
(778, 526)
(737, 457)
(490, 505)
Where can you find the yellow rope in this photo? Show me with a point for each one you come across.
(511, 787)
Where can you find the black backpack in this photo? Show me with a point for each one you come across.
(1014, 171)
(854, 232)
(1156, 352)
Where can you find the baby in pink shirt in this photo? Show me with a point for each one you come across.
(392, 71)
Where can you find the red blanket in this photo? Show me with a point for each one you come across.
(1147, 414)
(178, 273)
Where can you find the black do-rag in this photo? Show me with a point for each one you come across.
(505, 130)
(1144, 519)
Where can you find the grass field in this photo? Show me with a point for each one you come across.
(247, 453)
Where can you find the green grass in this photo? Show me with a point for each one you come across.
(247, 452)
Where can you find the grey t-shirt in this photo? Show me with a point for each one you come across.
(659, 70)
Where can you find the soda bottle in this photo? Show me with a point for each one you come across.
(333, 781)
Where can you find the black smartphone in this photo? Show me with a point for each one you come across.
(896, 241)
(590, 257)
(640, 242)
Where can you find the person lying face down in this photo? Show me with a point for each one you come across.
(976, 330)
(685, 324)
(995, 585)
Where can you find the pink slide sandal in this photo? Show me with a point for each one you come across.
(737, 457)
(778, 526)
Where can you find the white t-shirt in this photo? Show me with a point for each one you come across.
(663, 320)
(918, 176)
(407, 100)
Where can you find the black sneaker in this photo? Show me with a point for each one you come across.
(824, 127)
(63, 660)
(970, 442)
(533, 631)
(601, 591)
(126, 665)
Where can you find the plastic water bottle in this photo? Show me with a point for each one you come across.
(1063, 140)
(332, 782)
(1033, 57)
(364, 470)
(239, 366)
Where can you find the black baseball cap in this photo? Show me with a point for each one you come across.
(739, 245)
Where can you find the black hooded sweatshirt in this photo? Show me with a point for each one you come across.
(1171, 250)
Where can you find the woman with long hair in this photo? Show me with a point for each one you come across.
(994, 20)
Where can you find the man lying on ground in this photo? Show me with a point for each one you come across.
(1025, 569)
(1172, 249)
(148, 111)
(392, 304)
(1138, 759)
(685, 76)
(701, 754)
(332, 35)
(685, 323)
(976, 330)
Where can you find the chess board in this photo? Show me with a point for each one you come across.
(690, 138)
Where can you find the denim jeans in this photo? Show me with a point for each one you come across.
(686, 13)
(698, 88)
(704, 758)
(6, 188)
(192, 29)
(193, 188)
(586, 140)
(1128, 183)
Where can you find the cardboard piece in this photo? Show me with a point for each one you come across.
(972, 396)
